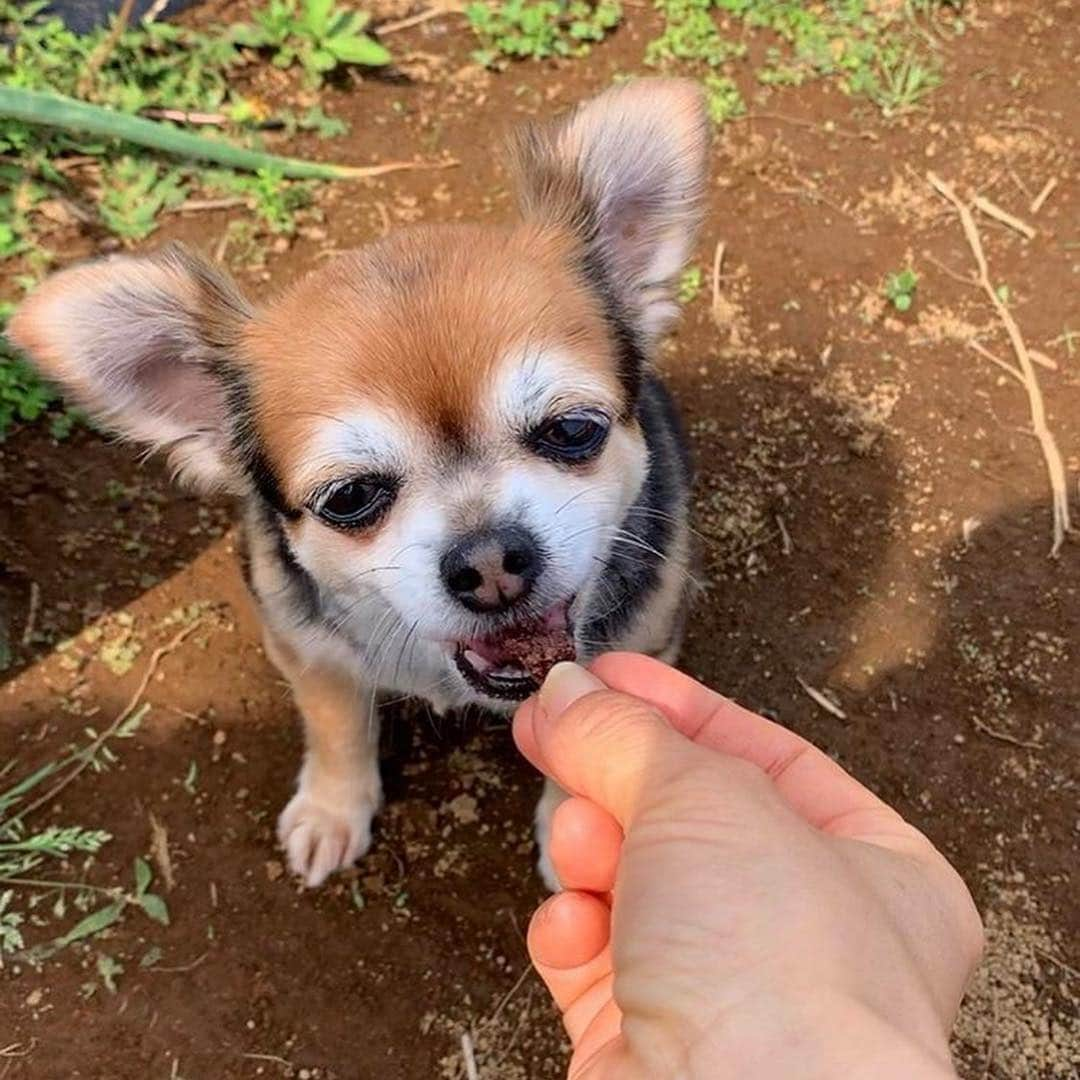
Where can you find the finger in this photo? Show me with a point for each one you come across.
(812, 783)
(568, 945)
(586, 843)
(607, 747)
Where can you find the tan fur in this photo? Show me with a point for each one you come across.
(328, 822)
(418, 322)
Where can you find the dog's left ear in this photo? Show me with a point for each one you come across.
(626, 172)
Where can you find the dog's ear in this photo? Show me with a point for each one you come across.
(625, 171)
(143, 344)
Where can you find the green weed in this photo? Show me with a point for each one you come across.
(35, 885)
(274, 200)
(869, 52)
(689, 284)
(537, 29)
(316, 35)
(900, 288)
(134, 192)
(24, 396)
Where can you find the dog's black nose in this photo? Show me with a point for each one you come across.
(493, 569)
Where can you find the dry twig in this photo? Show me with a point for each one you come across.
(785, 537)
(717, 266)
(416, 20)
(469, 1056)
(1005, 366)
(993, 210)
(1054, 465)
(1047, 191)
(31, 615)
(184, 116)
(159, 851)
(104, 50)
(820, 699)
(1005, 737)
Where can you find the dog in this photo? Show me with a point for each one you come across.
(444, 443)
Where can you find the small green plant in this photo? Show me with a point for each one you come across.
(134, 192)
(315, 34)
(34, 860)
(274, 199)
(537, 29)
(871, 50)
(689, 284)
(900, 288)
(24, 396)
(691, 37)
(722, 98)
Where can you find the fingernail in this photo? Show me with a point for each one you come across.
(566, 682)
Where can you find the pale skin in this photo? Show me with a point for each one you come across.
(736, 904)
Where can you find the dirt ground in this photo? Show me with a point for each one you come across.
(876, 523)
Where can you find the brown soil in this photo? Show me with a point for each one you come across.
(878, 524)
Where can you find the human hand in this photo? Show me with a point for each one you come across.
(737, 905)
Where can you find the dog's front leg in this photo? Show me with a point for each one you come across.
(327, 823)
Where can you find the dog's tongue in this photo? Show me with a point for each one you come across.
(535, 646)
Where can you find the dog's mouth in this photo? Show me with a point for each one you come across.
(510, 664)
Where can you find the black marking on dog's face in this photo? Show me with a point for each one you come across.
(630, 356)
(632, 571)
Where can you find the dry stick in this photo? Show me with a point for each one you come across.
(1054, 466)
(1041, 358)
(416, 20)
(717, 264)
(156, 8)
(995, 211)
(197, 206)
(182, 968)
(31, 615)
(1068, 968)
(469, 1057)
(785, 537)
(1004, 736)
(819, 698)
(184, 116)
(155, 659)
(951, 273)
(1048, 188)
(159, 851)
(982, 350)
(104, 50)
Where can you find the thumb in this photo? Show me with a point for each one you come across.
(600, 744)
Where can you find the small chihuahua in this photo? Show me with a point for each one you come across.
(443, 442)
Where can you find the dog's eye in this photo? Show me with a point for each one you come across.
(355, 503)
(575, 437)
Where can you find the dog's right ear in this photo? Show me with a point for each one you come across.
(143, 343)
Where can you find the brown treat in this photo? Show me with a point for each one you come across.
(537, 649)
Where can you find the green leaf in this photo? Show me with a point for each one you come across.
(143, 875)
(317, 16)
(94, 923)
(155, 907)
(358, 49)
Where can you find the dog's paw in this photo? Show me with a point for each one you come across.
(321, 834)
